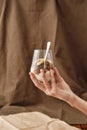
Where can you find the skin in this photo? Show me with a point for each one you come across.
(59, 89)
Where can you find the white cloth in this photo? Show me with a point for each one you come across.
(32, 121)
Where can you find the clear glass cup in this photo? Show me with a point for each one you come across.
(38, 63)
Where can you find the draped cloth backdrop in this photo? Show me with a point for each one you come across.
(26, 25)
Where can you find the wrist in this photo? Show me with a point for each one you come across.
(72, 99)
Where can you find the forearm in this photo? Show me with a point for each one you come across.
(78, 103)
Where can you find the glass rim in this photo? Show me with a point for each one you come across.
(41, 50)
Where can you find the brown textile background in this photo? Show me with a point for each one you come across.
(26, 25)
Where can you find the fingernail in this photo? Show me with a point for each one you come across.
(30, 73)
(51, 70)
(41, 70)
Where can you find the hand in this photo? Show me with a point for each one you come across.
(58, 87)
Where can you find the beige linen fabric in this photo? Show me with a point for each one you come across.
(32, 121)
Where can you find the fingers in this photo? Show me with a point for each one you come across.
(59, 78)
(45, 81)
(36, 82)
(52, 77)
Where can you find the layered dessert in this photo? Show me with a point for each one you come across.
(41, 64)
